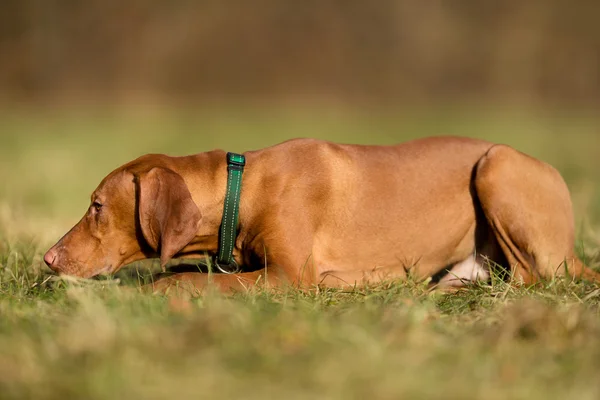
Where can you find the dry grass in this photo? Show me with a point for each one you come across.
(96, 339)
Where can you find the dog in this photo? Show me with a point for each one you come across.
(313, 212)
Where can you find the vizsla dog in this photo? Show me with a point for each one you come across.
(318, 213)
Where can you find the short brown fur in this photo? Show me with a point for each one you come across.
(319, 213)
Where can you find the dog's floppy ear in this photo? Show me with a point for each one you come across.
(168, 216)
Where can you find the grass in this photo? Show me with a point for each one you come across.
(98, 340)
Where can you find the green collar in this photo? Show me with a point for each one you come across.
(224, 260)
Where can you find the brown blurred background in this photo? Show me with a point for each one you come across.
(534, 52)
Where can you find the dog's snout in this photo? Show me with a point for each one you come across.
(50, 257)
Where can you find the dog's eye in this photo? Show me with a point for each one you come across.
(97, 206)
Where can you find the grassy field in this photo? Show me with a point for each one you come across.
(98, 340)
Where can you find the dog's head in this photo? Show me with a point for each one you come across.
(140, 210)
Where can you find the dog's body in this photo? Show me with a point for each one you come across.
(315, 212)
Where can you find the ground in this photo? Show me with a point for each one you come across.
(100, 339)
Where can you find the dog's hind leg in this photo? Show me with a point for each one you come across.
(470, 270)
(528, 207)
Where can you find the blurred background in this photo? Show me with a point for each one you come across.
(88, 85)
(333, 50)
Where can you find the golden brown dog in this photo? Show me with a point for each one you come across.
(314, 212)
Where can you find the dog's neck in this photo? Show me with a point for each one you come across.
(210, 184)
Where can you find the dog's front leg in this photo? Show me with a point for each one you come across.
(192, 284)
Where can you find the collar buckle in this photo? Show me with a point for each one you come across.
(231, 268)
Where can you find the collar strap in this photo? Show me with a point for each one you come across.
(228, 232)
